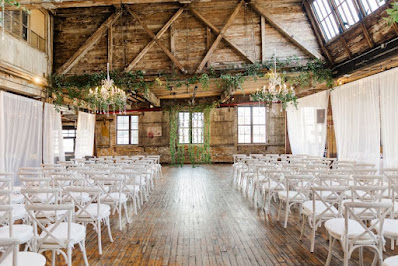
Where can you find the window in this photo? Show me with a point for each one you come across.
(370, 6)
(335, 16)
(127, 129)
(28, 27)
(190, 127)
(347, 12)
(251, 125)
(326, 20)
(69, 136)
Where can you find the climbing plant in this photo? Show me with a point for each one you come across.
(197, 153)
(392, 13)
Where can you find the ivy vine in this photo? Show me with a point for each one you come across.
(197, 153)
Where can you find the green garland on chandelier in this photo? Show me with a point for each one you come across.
(197, 153)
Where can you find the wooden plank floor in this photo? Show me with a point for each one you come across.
(195, 217)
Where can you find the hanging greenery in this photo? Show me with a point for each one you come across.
(77, 87)
(197, 153)
(392, 13)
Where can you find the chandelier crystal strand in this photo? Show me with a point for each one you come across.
(107, 96)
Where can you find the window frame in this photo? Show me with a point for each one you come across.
(190, 128)
(69, 137)
(252, 124)
(338, 16)
(130, 129)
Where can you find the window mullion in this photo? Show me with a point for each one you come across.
(251, 124)
(129, 127)
(337, 15)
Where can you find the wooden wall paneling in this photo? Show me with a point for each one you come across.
(88, 43)
(216, 31)
(155, 39)
(219, 37)
(285, 32)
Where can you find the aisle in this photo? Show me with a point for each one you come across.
(195, 217)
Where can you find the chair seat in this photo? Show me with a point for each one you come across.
(116, 196)
(78, 233)
(135, 188)
(273, 185)
(25, 259)
(336, 227)
(92, 209)
(22, 232)
(391, 261)
(293, 195)
(18, 212)
(390, 227)
(17, 198)
(82, 197)
(320, 207)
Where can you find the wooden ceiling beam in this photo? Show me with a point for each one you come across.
(151, 98)
(219, 37)
(207, 23)
(155, 39)
(89, 43)
(285, 32)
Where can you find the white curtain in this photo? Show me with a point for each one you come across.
(356, 117)
(307, 124)
(20, 132)
(389, 116)
(85, 135)
(53, 149)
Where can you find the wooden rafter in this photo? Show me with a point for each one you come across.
(155, 39)
(89, 43)
(208, 24)
(367, 35)
(263, 40)
(151, 97)
(285, 32)
(219, 37)
(317, 32)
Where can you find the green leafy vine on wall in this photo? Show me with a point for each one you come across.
(197, 153)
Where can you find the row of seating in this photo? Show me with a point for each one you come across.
(354, 201)
(56, 203)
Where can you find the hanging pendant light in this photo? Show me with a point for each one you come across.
(108, 96)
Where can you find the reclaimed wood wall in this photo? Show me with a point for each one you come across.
(188, 39)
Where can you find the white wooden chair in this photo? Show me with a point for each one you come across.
(91, 212)
(354, 233)
(273, 182)
(58, 233)
(325, 205)
(112, 194)
(296, 193)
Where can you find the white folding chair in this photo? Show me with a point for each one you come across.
(58, 233)
(91, 212)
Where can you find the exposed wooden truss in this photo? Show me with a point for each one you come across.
(285, 32)
(219, 37)
(213, 28)
(155, 39)
(151, 98)
(88, 43)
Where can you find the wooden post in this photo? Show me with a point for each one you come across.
(262, 39)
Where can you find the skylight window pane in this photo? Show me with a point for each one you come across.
(371, 5)
(347, 12)
(325, 17)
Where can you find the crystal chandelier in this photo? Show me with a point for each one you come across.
(276, 90)
(107, 97)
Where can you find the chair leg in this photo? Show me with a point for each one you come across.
(99, 237)
(109, 228)
(120, 217)
(331, 244)
(69, 255)
(361, 256)
(392, 244)
(125, 210)
(302, 228)
(286, 213)
(279, 210)
(314, 227)
(82, 246)
(53, 257)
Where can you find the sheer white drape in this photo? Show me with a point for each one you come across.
(53, 149)
(20, 132)
(85, 135)
(307, 133)
(389, 116)
(356, 117)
